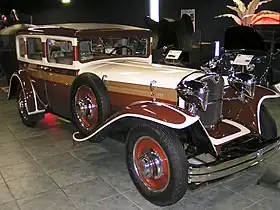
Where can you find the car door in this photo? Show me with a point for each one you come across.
(61, 75)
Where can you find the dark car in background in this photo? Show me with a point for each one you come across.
(9, 25)
(260, 47)
(180, 36)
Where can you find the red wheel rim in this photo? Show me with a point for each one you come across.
(151, 164)
(86, 108)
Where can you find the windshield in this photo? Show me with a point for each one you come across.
(99, 47)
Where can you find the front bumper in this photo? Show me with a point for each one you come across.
(208, 173)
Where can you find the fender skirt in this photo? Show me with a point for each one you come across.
(34, 106)
(157, 112)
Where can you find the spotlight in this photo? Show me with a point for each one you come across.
(217, 48)
(65, 1)
(154, 10)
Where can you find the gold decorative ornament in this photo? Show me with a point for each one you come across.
(246, 15)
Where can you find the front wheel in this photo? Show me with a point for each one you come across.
(157, 163)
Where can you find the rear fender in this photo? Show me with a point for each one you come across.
(20, 79)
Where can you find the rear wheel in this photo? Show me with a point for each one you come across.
(86, 108)
(157, 163)
(90, 104)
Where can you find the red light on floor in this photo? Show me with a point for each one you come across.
(50, 119)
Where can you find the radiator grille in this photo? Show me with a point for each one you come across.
(213, 114)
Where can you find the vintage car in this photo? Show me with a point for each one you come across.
(182, 126)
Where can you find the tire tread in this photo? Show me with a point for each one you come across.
(177, 162)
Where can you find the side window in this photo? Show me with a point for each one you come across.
(34, 48)
(59, 51)
(21, 47)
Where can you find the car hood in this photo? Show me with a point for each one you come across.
(142, 73)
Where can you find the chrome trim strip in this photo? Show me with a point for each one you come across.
(203, 174)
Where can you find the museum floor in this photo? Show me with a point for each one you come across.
(40, 169)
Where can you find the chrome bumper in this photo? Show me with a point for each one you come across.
(204, 174)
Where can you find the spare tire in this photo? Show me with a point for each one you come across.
(90, 103)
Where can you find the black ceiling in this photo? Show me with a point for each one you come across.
(31, 6)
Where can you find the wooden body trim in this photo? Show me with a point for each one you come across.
(142, 90)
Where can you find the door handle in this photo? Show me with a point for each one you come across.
(44, 68)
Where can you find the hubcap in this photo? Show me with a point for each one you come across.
(151, 164)
(86, 108)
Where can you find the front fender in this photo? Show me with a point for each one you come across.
(247, 114)
(22, 80)
(158, 112)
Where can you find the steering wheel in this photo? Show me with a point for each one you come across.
(121, 47)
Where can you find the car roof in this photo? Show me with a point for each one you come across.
(97, 26)
(82, 29)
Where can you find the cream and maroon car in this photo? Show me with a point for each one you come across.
(181, 126)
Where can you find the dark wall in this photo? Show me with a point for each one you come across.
(108, 11)
(132, 12)
(212, 28)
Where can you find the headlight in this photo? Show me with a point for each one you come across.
(244, 83)
(195, 93)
